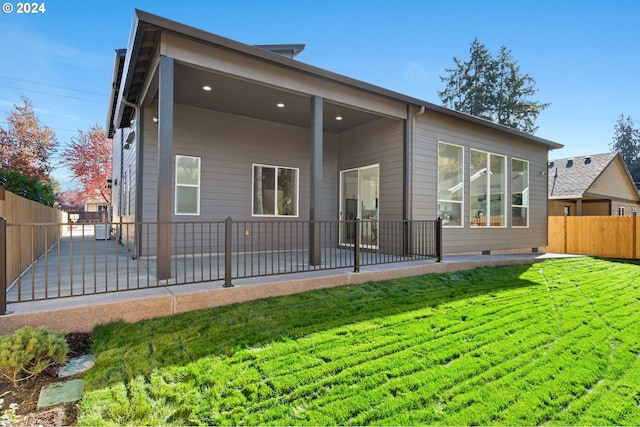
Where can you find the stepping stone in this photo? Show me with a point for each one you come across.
(77, 365)
(59, 393)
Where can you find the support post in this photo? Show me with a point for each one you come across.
(439, 239)
(315, 190)
(3, 265)
(165, 166)
(635, 254)
(228, 251)
(356, 246)
(138, 218)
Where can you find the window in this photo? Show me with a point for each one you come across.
(487, 173)
(621, 210)
(567, 211)
(187, 185)
(450, 184)
(275, 191)
(520, 194)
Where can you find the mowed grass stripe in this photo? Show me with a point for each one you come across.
(479, 347)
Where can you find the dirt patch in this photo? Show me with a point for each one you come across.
(27, 392)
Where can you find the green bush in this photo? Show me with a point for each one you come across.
(9, 415)
(37, 189)
(28, 352)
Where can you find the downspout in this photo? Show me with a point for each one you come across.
(120, 210)
(408, 162)
(137, 215)
(408, 176)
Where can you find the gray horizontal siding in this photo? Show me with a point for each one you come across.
(228, 146)
(432, 128)
(380, 142)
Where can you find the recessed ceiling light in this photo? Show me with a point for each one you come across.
(280, 105)
(206, 87)
(338, 118)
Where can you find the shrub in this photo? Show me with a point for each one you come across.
(28, 352)
(9, 415)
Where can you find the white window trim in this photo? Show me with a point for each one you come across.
(276, 214)
(504, 186)
(622, 210)
(179, 156)
(460, 202)
(528, 205)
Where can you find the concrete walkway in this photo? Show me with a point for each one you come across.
(82, 313)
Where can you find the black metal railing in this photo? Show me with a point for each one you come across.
(87, 259)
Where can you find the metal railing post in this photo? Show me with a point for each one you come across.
(3, 265)
(356, 246)
(439, 239)
(227, 252)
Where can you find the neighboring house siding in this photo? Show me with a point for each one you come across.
(614, 184)
(431, 128)
(590, 208)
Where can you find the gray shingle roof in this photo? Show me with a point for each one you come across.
(571, 177)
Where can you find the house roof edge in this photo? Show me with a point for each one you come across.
(144, 19)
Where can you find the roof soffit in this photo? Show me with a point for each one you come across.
(146, 27)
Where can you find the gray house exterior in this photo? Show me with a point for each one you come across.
(204, 127)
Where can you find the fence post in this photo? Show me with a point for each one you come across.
(3, 265)
(356, 246)
(439, 239)
(227, 252)
(635, 235)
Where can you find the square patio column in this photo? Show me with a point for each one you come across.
(165, 176)
(315, 190)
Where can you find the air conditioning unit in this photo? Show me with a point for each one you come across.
(102, 231)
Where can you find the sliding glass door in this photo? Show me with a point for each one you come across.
(359, 192)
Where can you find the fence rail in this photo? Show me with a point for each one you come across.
(603, 236)
(87, 259)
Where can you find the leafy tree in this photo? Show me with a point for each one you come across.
(88, 156)
(70, 200)
(27, 143)
(35, 189)
(626, 141)
(492, 88)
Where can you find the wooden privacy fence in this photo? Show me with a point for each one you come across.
(603, 236)
(25, 244)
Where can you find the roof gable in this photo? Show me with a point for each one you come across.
(574, 177)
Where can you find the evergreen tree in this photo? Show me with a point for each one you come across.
(626, 141)
(470, 83)
(492, 88)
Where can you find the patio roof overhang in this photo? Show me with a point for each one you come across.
(248, 98)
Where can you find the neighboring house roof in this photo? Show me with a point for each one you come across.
(128, 83)
(572, 177)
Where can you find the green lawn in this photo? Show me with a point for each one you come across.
(557, 342)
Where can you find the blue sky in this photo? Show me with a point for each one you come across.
(584, 55)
